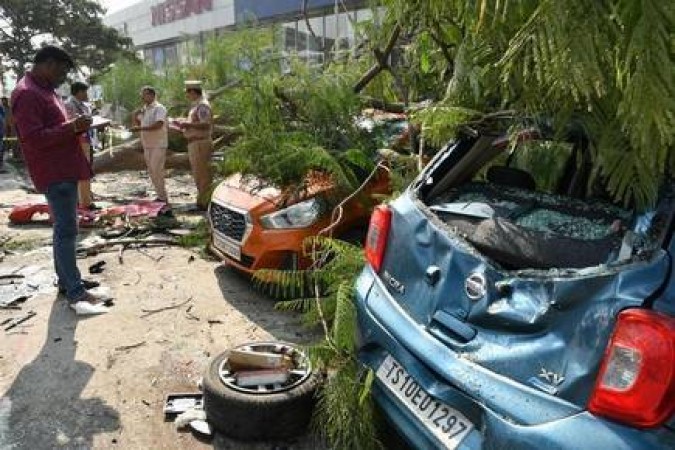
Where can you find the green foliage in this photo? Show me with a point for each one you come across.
(440, 123)
(75, 25)
(230, 56)
(298, 122)
(543, 159)
(345, 413)
(607, 63)
(122, 83)
(198, 236)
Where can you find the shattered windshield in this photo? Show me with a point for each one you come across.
(520, 213)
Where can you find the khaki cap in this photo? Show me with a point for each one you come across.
(193, 84)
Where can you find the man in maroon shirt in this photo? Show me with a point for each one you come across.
(55, 163)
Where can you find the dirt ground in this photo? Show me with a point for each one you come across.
(100, 382)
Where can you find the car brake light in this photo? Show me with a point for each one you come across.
(636, 382)
(376, 241)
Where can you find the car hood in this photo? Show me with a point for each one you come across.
(251, 193)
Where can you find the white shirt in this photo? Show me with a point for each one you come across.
(151, 114)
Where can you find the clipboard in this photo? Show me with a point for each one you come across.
(99, 122)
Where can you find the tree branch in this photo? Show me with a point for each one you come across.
(381, 64)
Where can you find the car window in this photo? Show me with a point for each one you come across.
(544, 160)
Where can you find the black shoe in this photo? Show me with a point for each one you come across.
(87, 284)
(94, 207)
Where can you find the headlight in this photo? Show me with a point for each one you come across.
(300, 215)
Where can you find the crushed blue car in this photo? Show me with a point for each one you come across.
(502, 307)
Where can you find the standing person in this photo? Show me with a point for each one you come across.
(197, 130)
(10, 130)
(54, 159)
(3, 115)
(154, 138)
(76, 106)
(8, 126)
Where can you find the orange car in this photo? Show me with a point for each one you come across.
(254, 227)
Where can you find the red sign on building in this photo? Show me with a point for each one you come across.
(172, 10)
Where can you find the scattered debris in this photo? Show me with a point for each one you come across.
(14, 321)
(17, 285)
(96, 267)
(249, 378)
(13, 303)
(149, 312)
(201, 427)
(120, 259)
(94, 249)
(156, 259)
(179, 403)
(243, 359)
(62, 439)
(178, 232)
(189, 315)
(189, 416)
(110, 361)
(11, 278)
(122, 348)
(39, 212)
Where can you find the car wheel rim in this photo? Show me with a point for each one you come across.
(300, 372)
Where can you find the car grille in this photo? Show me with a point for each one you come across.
(228, 222)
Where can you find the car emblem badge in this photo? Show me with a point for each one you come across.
(394, 283)
(475, 286)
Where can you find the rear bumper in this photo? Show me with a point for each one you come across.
(494, 404)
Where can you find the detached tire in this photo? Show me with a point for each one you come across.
(247, 415)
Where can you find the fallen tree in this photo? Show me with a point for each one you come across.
(129, 156)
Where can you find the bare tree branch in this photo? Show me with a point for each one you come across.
(381, 64)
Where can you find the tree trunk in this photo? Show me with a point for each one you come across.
(129, 156)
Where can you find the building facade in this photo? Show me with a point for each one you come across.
(168, 32)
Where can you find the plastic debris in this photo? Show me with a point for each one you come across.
(201, 426)
(184, 419)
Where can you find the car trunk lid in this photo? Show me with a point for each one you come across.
(555, 322)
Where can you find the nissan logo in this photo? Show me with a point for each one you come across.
(475, 286)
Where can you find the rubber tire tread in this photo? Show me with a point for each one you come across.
(255, 417)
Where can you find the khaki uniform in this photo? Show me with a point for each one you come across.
(200, 148)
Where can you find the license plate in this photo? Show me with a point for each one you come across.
(447, 424)
(228, 246)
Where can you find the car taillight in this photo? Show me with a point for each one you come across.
(376, 241)
(636, 382)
